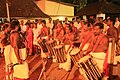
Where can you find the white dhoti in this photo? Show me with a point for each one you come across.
(66, 65)
(7, 51)
(99, 58)
(109, 54)
(7, 61)
(21, 70)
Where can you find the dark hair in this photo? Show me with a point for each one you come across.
(100, 25)
(5, 25)
(110, 19)
(13, 24)
(43, 21)
(71, 23)
(87, 23)
(73, 18)
(91, 21)
(50, 18)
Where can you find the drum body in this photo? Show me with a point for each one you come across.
(75, 55)
(89, 67)
(43, 45)
(50, 46)
(36, 49)
(60, 53)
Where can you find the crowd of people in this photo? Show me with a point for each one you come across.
(92, 36)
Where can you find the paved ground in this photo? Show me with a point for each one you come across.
(52, 70)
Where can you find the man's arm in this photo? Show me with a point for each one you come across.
(116, 35)
(91, 45)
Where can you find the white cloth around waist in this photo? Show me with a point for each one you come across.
(21, 70)
(99, 58)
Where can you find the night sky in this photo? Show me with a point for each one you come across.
(91, 1)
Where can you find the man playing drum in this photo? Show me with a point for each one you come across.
(85, 37)
(45, 31)
(68, 39)
(6, 44)
(98, 46)
(18, 53)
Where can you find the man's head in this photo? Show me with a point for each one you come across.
(117, 19)
(98, 27)
(71, 24)
(6, 27)
(50, 20)
(22, 22)
(86, 26)
(109, 22)
(73, 19)
(39, 21)
(101, 19)
(14, 24)
(43, 23)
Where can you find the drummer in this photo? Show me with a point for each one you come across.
(85, 36)
(68, 42)
(18, 53)
(58, 32)
(5, 43)
(45, 31)
(98, 46)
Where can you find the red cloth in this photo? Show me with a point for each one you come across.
(29, 38)
(106, 65)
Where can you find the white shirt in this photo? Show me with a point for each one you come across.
(36, 34)
(23, 28)
(39, 26)
(117, 23)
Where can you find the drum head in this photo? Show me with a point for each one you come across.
(58, 46)
(75, 51)
(85, 58)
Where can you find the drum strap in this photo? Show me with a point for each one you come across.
(68, 49)
(59, 32)
(86, 39)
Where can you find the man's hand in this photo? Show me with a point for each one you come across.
(20, 61)
(83, 53)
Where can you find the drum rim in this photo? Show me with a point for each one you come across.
(58, 46)
(83, 59)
